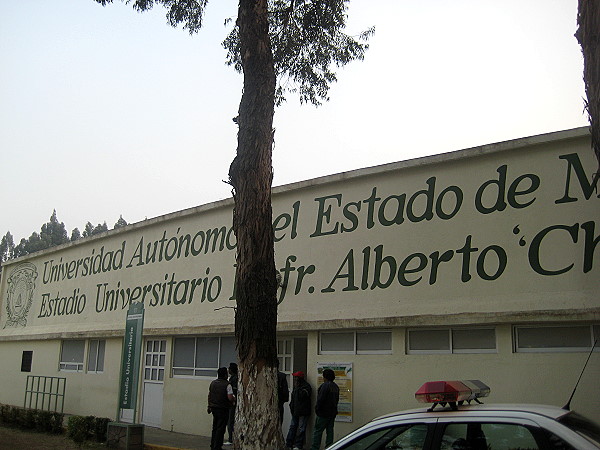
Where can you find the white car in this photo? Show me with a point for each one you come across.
(474, 427)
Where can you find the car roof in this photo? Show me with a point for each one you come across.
(503, 409)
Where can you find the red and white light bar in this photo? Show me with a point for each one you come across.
(452, 392)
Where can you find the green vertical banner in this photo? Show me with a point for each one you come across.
(130, 365)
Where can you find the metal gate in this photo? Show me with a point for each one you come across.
(45, 393)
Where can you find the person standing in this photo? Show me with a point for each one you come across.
(220, 399)
(233, 381)
(300, 409)
(328, 397)
(283, 391)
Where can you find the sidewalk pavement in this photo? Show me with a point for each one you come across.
(157, 439)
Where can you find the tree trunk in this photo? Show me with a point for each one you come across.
(588, 35)
(257, 423)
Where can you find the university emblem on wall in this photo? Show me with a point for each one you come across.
(21, 284)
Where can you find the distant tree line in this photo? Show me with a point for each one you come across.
(51, 234)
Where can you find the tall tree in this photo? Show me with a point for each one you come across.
(251, 175)
(100, 228)
(7, 247)
(91, 230)
(120, 223)
(88, 230)
(30, 245)
(75, 234)
(53, 232)
(280, 46)
(588, 35)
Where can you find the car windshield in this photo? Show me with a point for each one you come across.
(583, 426)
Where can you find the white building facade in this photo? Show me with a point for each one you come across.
(477, 264)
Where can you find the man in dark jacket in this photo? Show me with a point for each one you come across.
(328, 397)
(220, 399)
(300, 409)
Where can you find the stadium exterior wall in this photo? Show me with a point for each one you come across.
(475, 264)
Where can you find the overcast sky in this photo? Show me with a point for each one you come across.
(107, 112)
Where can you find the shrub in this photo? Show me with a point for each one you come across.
(56, 426)
(43, 423)
(5, 414)
(101, 428)
(82, 428)
(41, 420)
(28, 418)
(90, 423)
(77, 429)
(14, 415)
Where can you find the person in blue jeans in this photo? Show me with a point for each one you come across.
(328, 397)
(300, 409)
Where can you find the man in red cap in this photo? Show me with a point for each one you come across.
(300, 409)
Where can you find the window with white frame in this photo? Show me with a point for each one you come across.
(95, 362)
(355, 342)
(555, 338)
(451, 340)
(473, 340)
(202, 356)
(285, 354)
(71, 355)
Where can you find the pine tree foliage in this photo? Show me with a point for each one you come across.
(100, 228)
(88, 230)
(120, 223)
(7, 247)
(51, 234)
(588, 35)
(75, 234)
(308, 42)
(91, 230)
(186, 12)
